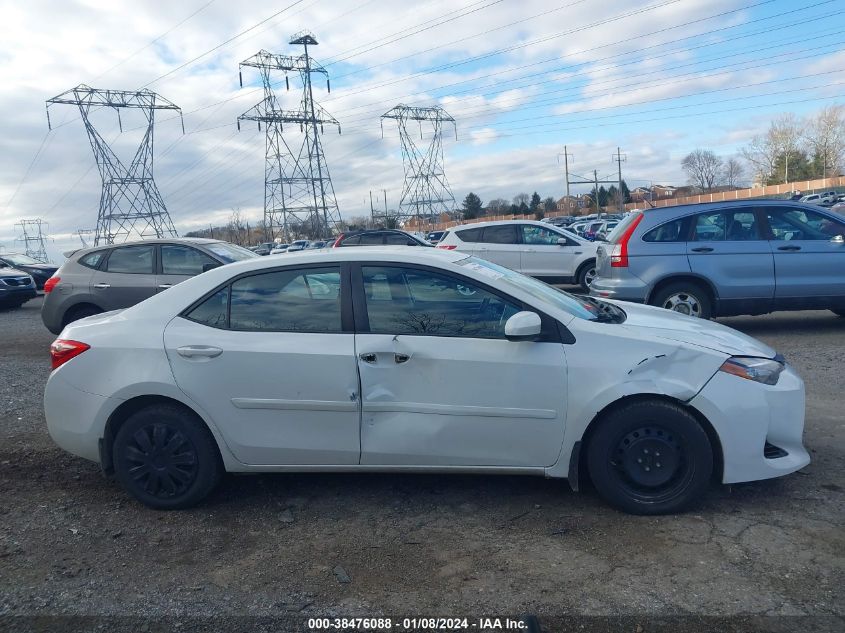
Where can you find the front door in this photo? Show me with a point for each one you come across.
(809, 257)
(127, 278)
(440, 384)
(543, 256)
(728, 247)
(269, 359)
(178, 263)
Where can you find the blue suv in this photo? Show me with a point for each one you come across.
(727, 258)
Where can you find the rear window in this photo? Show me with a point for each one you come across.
(616, 233)
(469, 235)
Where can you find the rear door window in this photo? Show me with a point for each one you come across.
(725, 226)
(183, 260)
(503, 234)
(372, 239)
(539, 235)
(137, 260)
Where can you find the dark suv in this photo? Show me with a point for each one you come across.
(379, 237)
(726, 258)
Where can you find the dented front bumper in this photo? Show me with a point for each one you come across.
(747, 416)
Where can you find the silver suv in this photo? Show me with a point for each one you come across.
(727, 258)
(532, 248)
(115, 276)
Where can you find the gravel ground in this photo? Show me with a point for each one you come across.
(71, 542)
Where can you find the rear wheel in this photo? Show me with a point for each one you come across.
(685, 297)
(80, 312)
(166, 458)
(586, 274)
(650, 457)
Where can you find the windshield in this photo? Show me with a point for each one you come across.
(229, 252)
(20, 260)
(576, 306)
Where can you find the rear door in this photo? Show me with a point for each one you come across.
(809, 259)
(542, 256)
(500, 244)
(126, 278)
(178, 262)
(728, 247)
(272, 360)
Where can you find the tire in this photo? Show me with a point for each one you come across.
(586, 274)
(166, 458)
(686, 297)
(623, 454)
(80, 312)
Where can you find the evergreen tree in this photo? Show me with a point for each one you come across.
(535, 202)
(472, 206)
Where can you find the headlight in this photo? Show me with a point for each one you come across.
(762, 370)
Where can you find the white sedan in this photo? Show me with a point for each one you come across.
(374, 359)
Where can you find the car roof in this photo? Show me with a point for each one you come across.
(199, 241)
(497, 223)
(703, 207)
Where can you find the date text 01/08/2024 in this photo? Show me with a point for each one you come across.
(421, 624)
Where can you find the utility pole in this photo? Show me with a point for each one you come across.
(619, 157)
(566, 155)
(598, 205)
(130, 202)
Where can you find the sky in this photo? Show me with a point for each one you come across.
(521, 78)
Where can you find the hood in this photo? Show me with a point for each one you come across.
(662, 323)
(8, 271)
(44, 267)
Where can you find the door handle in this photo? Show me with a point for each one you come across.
(199, 351)
(102, 286)
(165, 285)
(789, 248)
(702, 249)
(368, 357)
(401, 358)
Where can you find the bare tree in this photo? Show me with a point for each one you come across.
(521, 198)
(236, 228)
(825, 134)
(762, 152)
(732, 172)
(703, 168)
(498, 206)
(787, 132)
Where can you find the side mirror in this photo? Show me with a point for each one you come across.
(209, 266)
(838, 239)
(523, 326)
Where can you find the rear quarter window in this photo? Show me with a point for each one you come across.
(92, 260)
(469, 235)
(673, 231)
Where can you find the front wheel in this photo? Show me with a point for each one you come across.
(166, 458)
(650, 457)
(685, 297)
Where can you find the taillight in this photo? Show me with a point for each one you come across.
(447, 247)
(338, 241)
(619, 254)
(62, 350)
(51, 283)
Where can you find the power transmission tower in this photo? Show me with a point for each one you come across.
(82, 234)
(130, 202)
(298, 194)
(426, 191)
(33, 239)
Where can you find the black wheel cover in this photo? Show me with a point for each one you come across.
(161, 460)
